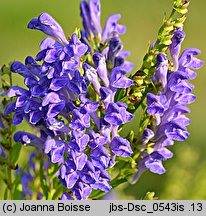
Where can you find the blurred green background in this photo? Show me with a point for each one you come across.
(186, 171)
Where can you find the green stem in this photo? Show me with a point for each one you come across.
(9, 170)
(172, 14)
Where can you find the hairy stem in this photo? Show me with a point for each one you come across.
(9, 167)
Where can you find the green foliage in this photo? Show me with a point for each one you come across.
(7, 163)
(150, 196)
(15, 153)
(181, 6)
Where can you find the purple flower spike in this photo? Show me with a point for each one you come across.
(121, 147)
(188, 60)
(69, 66)
(35, 116)
(154, 160)
(66, 196)
(17, 91)
(88, 174)
(51, 98)
(175, 47)
(57, 125)
(88, 105)
(76, 160)
(100, 158)
(162, 68)
(92, 76)
(28, 139)
(68, 177)
(100, 64)
(86, 17)
(103, 182)
(58, 83)
(96, 140)
(80, 121)
(55, 109)
(146, 136)
(79, 133)
(118, 79)
(78, 83)
(81, 191)
(115, 45)
(116, 114)
(18, 67)
(95, 11)
(174, 132)
(49, 26)
(75, 47)
(106, 95)
(33, 67)
(50, 43)
(79, 141)
(112, 26)
(156, 104)
(169, 107)
(55, 148)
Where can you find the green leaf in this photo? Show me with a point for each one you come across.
(6, 194)
(18, 192)
(126, 172)
(118, 182)
(167, 42)
(53, 170)
(58, 192)
(3, 175)
(15, 152)
(96, 194)
(131, 136)
(181, 10)
(3, 160)
(179, 21)
(17, 179)
(177, 3)
(120, 94)
(181, 7)
(168, 28)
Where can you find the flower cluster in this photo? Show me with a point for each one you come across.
(74, 95)
(90, 13)
(168, 107)
(70, 98)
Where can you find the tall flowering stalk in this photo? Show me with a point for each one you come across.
(168, 107)
(70, 98)
(76, 98)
